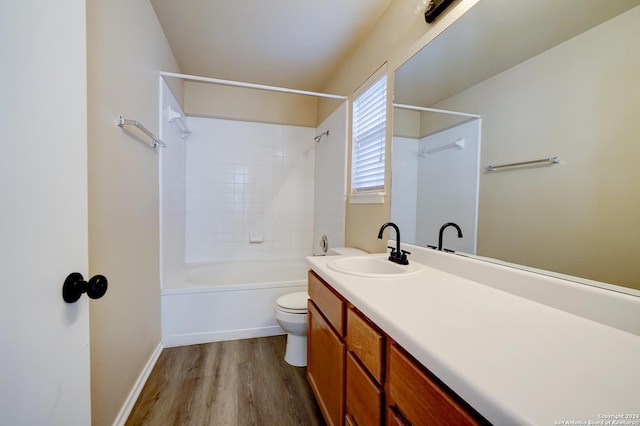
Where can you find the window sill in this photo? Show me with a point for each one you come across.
(367, 198)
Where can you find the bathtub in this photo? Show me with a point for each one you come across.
(227, 300)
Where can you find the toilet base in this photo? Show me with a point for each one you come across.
(296, 352)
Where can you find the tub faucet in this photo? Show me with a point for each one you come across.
(396, 255)
(445, 226)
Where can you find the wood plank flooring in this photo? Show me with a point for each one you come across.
(240, 382)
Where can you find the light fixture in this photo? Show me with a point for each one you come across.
(435, 8)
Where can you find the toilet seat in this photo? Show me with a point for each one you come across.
(293, 303)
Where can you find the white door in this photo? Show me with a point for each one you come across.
(44, 342)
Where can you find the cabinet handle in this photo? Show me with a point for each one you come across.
(74, 285)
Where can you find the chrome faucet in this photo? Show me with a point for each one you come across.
(396, 255)
(445, 226)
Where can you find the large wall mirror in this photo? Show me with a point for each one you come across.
(536, 80)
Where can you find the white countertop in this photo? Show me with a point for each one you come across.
(514, 360)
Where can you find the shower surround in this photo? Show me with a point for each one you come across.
(238, 220)
(238, 202)
(249, 191)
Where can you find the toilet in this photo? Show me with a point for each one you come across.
(291, 315)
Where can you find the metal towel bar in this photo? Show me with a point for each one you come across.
(155, 141)
(550, 161)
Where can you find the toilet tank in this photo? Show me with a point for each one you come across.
(350, 251)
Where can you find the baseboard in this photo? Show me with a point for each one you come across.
(219, 336)
(123, 415)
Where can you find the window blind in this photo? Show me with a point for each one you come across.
(369, 129)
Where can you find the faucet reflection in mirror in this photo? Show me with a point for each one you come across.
(441, 234)
(440, 187)
(397, 255)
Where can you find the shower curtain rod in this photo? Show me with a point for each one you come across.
(444, 111)
(249, 85)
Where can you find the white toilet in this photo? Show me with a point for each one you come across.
(291, 314)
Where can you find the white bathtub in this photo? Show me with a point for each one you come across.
(227, 300)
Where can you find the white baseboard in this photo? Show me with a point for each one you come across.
(123, 415)
(218, 336)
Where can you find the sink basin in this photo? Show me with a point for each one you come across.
(373, 266)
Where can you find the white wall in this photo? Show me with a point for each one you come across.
(448, 188)
(173, 169)
(331, 180)
(126, 49)
(248, 179)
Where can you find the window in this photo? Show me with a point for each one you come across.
(369, 132)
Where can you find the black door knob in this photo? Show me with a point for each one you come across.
(75, 285)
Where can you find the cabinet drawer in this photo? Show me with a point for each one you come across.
(394, 418)
(364, 396)
(329, 303)
(325, 367)
(419, 398)
(366, 342)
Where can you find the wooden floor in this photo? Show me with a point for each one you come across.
(241, 382)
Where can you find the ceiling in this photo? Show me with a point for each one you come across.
(297, 44)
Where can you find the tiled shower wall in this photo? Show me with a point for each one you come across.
(404, 179)
(249, 191)
(330, 178)
(429, 191)
(449, 177)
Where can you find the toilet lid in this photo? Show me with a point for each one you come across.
(294, 301)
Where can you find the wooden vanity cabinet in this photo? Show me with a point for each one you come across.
(417, 397)
(362, 377)
(394, 418)
(366, 342)
(326, 350)
(364, 404)
(365, 371)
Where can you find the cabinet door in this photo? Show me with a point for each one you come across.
(325, 367)
(421, 399)
(364, 396)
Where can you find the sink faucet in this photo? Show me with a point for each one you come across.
(396, 255)
(445, 226)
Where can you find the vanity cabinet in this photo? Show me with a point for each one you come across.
(365, 370)
(364, 396)
(360, 376)
(417, 397)
(326, 349)
(366, 342)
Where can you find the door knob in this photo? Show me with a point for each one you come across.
(74, 285)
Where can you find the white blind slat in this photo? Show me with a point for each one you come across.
(369, 128)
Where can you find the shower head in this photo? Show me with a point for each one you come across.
(317, 138)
